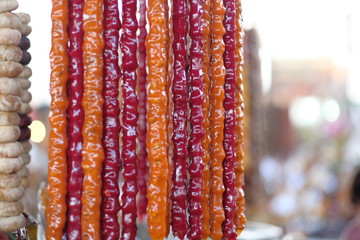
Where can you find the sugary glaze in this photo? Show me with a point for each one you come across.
(157, 135)
(217, 115)
(57, 165)
(110, 205)
(93, 153)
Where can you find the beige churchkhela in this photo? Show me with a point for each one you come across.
(14, 107)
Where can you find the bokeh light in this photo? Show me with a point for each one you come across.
(38, 131)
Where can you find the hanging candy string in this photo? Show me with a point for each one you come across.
(129, 119)
(143, 168)
(179, 116)
(57, 165)
(196, 164)
(156, 117)
(75, 120)
(229, 129)
(239, 217)
(110, 205)
(206, 141)
(93, 153)
(217, 153)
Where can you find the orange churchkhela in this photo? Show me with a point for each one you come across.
(93, 153)
(57, 166)
(217, 116)
(156, 53)
(206, 141)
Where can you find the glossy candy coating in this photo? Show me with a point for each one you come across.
(239, 217)
(156, 116)
(129, 119)
(143, 163)
(196, 165)
(93, 153)
(206, 140)
(57, 165)
(179, 117)
(75, 120)
(229, 129)
(110, 205)
(217, 153)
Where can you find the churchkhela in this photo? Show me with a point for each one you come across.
(146, 119)
(14, 116)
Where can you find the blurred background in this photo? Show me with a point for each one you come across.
(302, 101)
(302, 108)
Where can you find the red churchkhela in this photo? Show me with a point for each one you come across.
(75, 120)
(196, 164)
(110, 205)
(229, 230)
(129, 119)
(179, 136)
(143, 168)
